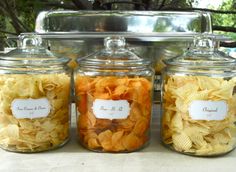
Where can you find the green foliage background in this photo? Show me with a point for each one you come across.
(226, 19)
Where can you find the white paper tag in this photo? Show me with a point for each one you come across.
(208, 110)
(30, 108)
(111, 109)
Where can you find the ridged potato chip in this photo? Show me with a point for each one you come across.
(181, 141)
(113, 135)
(199, 137)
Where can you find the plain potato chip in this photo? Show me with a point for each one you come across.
(37, 134)
(176, 123)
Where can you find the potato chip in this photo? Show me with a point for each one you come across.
(90, 134)
(123, 124)
(199, 137)
(222, 138)
(176, 123)
(87, 120)
(181, 142)
(102, 124)
(135, 113)
(34, 134)
(141, 127)
(93, 143)
(105, 138)
(10, 132)
(206, 150)
(117, 141)
(114, 135)
(48, 126)
(209, 83)
(132, 142)
(196, 137)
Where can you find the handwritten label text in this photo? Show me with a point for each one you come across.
(111, 109)
(30, 108)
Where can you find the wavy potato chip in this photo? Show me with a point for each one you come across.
(181, 141)
(200, 137)
(196, 137)
(113, 135)
(40, 133)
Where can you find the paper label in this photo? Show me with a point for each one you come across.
(30, 108)
(111, 109)
(208, 110)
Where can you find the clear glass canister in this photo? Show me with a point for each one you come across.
(199, 101)
(34, 98)
(114, 99)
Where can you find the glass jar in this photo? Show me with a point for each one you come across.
(199, 101)
(114, 90)
(34, 98)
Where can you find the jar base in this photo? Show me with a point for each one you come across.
(36, 150)
(115, 152)
(196, 155)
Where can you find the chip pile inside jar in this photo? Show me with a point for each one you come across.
(34, 111)
(114, 112)
(199, 114)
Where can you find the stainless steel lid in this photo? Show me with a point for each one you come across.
(144, 25)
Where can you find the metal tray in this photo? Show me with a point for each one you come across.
(126, 23)
(148, 33)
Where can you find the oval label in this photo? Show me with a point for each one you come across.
(208, 110)
(30, 108)
(111, 109)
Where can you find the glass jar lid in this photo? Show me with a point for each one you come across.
(203, 54)
(31, 55)
(114, 56)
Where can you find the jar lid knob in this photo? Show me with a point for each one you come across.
(30, 40)
(112, 43)
(204, 42)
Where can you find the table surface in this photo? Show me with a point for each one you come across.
(154, 157)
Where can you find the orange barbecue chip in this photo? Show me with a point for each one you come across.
(113, 135)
